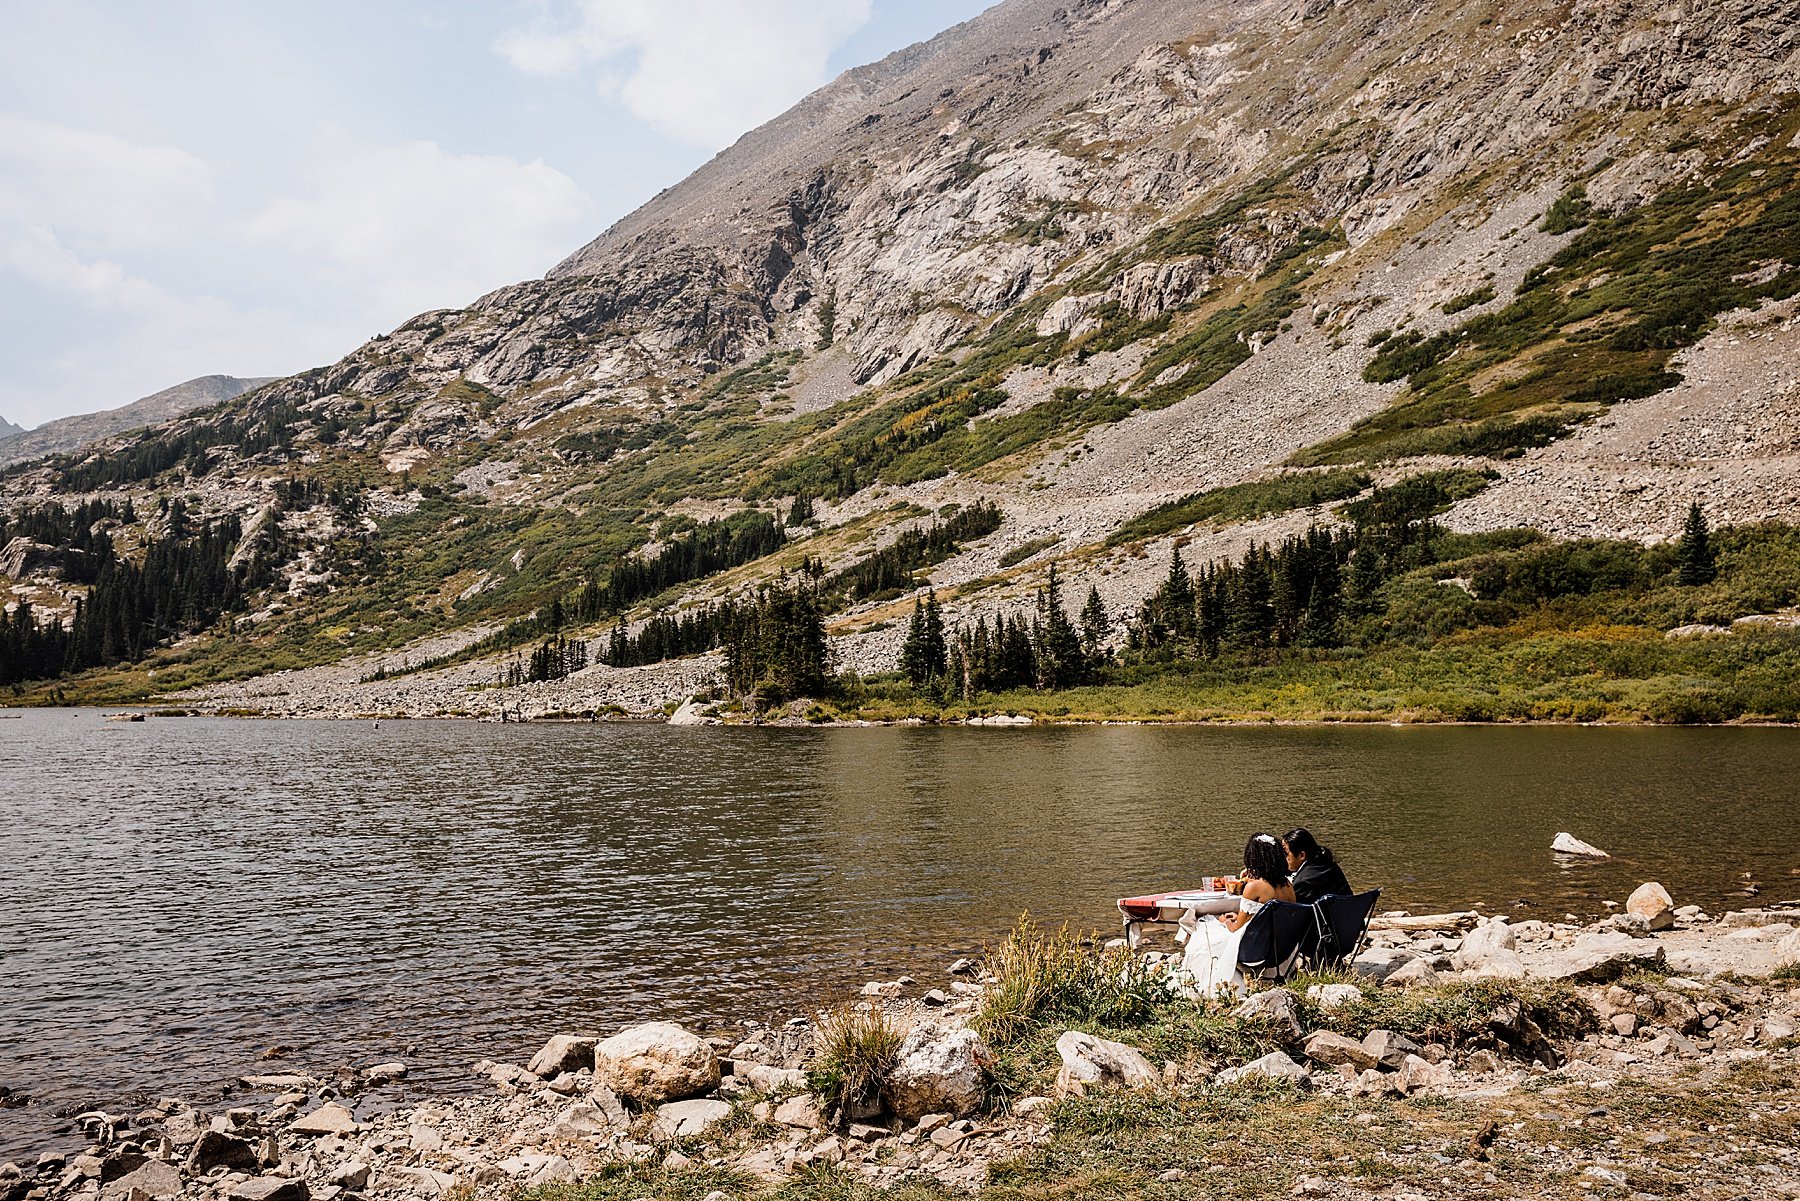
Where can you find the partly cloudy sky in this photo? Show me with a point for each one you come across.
(252, 189)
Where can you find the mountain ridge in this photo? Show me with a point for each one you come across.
(1087, 260)
(70, 433)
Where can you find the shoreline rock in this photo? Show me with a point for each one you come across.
(1660, 1004)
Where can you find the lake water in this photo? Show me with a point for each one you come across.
(178, 895)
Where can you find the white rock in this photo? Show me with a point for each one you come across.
(1568, 844)
(938, 1069)
(1490, 949)
(656, 1062)
(1089, 1062)
(563, 1053)
(1334, 996)
(684, 1119)
(1274, 1066)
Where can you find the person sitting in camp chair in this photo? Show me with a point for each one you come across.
(1315, 869)
(1211, 960)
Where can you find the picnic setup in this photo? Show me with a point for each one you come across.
(1291, 908)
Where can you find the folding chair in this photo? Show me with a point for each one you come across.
(1277, 939)
(1342, 924)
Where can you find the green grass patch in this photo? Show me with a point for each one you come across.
(1600, 321)
(1243, 502)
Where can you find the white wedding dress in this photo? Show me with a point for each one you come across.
(1210, 963)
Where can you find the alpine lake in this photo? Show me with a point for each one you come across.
(181, 896)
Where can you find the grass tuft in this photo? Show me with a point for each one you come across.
(858, 1049)
(1044, 976)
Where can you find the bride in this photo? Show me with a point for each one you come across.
(1210, 962)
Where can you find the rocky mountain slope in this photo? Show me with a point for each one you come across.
(1082, 259)
(72, 433)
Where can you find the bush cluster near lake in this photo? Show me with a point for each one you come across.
(1398, 618)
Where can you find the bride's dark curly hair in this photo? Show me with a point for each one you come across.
(1263, 859)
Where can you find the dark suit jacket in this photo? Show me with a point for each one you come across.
(1315, 880)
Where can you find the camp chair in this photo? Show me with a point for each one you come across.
(1277, 939)
(1343, 923)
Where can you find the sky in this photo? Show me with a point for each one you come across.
(249, 188)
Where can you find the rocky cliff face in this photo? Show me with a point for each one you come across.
(1083, 258)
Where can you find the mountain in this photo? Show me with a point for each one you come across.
(1145, 274)
(70, 433)
(8, 429)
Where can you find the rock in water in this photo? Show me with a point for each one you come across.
(656, 1062)
(1089, 1062)
(1652, 902)
(938, 1070)
(1568, 844)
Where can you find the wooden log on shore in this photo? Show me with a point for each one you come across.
(1424, 921)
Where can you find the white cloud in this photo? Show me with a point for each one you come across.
(704, 71)
(120, 273)
(94, 188)
(411, 227)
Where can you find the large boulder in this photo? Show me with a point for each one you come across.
(1274, 1066)
(1378, 963)
(1331, 1048)
(1602, 958)
(1089, 1063)
(563, 1053)
(938, 1069)
(656, 1062)
(1652, 902)
(1490, 949)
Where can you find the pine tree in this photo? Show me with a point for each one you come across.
(922, 656)
(1094, 627)
(1057, 645)
(1697, 562)
(802, 512)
